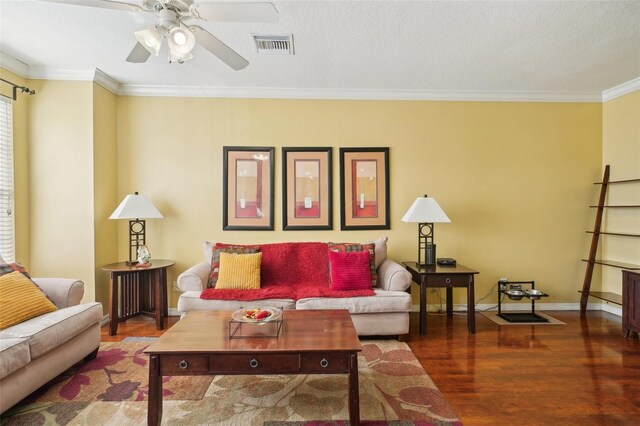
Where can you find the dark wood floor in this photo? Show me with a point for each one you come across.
(581, 373)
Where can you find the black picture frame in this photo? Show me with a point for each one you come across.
(307, 182)
(364, 188)
(247, 200)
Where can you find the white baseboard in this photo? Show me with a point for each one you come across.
(173, 312)
(616, 310)
(104, 320)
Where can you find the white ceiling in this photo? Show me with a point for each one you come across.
(542, 50)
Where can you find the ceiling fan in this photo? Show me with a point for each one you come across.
(181, 35)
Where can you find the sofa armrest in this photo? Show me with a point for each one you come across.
(194, 278)
(63, 292)
(393, 277)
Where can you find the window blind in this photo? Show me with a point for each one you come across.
(7, 219)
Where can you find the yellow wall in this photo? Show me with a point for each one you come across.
(61, 181)
(513, 177)
(21, 164)
(621, 150)
(105, 187)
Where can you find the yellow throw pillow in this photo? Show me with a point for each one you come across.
(21, 299)
(239, 271)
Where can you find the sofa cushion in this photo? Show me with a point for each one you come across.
(50, 330)
(14, 354)
(350, 271)
(191, 301)
(215, 258)
(357, 247)
(239, 271)
(384, 301)
(21, 299)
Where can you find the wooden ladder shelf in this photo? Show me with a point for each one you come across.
(595, 239)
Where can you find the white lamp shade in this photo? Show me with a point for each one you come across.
(136, 206)
(181, 41)
(425, 210)
(150, 39)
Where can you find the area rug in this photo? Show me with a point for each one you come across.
(493, 316)
(112, 390)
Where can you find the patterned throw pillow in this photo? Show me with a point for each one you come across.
(7, 268)
(239, 271)
(351, 247)
(20, 300)
(215, 258)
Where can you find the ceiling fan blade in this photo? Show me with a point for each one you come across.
(219, 49)
(103, 4)
(139, 54)
(235, 12)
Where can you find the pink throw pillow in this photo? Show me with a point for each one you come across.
(350, 270)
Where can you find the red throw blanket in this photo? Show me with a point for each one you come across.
(289, 271)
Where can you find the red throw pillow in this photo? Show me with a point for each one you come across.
(350, 270)
(351, 247)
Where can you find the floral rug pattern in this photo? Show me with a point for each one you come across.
(112, 389)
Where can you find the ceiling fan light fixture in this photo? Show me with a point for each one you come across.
(181, 41)
(179, 58)
(151, 39)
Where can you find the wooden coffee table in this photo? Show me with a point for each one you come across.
(310, 342)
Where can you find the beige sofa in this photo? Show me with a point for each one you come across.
(37, 350)
(386, 313)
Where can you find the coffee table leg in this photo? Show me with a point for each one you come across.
(354, 393)
(154, 411)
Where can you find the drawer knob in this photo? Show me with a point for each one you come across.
(253, 363)
(183, 364)
(448, 280)
(324, 363)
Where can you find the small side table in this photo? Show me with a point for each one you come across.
(448, 277)
(141, 290)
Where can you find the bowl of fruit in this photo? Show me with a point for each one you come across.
(257, 315)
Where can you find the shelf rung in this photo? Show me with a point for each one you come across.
(605, 295)
(617, 207)
(615, 264)
(622, 234)
(618, 181)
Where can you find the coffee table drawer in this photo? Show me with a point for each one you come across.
(183, 364)
(256, 363)
(324, 363)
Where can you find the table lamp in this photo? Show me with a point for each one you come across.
(425, 211)
(136, 208)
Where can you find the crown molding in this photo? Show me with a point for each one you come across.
(620, 90)
(353, 94)
(44, 73)
(10, 63)
(107, 82)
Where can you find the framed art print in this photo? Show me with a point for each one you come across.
(306, 189)
(364, 183)
(247, 188)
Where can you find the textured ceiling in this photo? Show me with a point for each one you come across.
(350, 47)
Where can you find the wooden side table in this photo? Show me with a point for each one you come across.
(141, 291)
(448, 277)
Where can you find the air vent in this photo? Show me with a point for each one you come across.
(273, 44)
